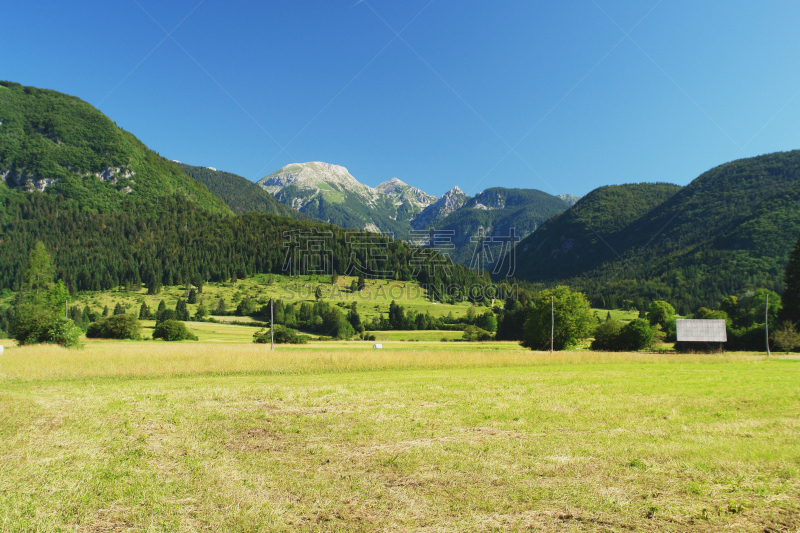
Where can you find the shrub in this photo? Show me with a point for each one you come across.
(30, 324)
(173, 330)
(473, 333)
(606, 336)
(33, 325)
(63, 331)
(283, 335)
(786, 337)
(636, 335)
(612, 336)
(115, 327)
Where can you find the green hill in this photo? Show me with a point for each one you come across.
(112, 212)
(495, 211)
(587, 234)
(63, 146)
(729, 231)
(240, 194)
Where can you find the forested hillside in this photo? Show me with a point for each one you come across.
(112, 212)
(494, 212)
(63, 146)
(103, 250)
(240, 194)
(728, 231)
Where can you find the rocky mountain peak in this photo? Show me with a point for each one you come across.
(449, 202)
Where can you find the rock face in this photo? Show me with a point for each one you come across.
(452, 200)
(410, 200)
(299, 184)
(331, 193)
(571, 199)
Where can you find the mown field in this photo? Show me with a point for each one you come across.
(427, 436)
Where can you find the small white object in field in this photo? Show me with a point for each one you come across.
(1, 349)
(374, 346)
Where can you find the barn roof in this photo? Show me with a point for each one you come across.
(701, 331)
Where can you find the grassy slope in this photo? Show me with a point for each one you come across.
(373, 301)
(51, 135)
(438, 438)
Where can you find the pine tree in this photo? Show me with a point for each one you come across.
(192, 298)
(144, 312)
(105, 311)
(40, 272)
(181, 311)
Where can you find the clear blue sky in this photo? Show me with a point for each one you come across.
(694, 85)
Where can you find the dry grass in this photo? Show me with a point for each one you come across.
(158, 359)
(439, 437)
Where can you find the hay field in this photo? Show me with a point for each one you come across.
(152, 436)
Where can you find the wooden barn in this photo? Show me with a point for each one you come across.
(701, 335)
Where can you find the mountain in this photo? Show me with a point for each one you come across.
(113, 213)
(409, 200)
(449, 202)
(571, 199)
(329, 192)
(240, 194)
(494, 212)
(728, 231)
(62, 146)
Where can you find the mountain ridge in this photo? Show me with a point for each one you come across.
(728, 231)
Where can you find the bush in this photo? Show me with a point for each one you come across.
(473, 333)
(283, 335)
(63, 331)
(173, 330)
(636, 335)
(33, 325)
(786, 337)
(115, 327)
(612, 336)
(606, 336)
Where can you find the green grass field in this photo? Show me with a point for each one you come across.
(427, 436)
(373, 301)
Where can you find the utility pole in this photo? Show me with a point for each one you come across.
(766, 323)
(552, 323)
(66, 308)
(271, 326)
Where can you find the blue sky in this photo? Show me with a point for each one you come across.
(545, 95)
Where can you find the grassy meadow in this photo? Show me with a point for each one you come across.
(373, 301)
(425, 436)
